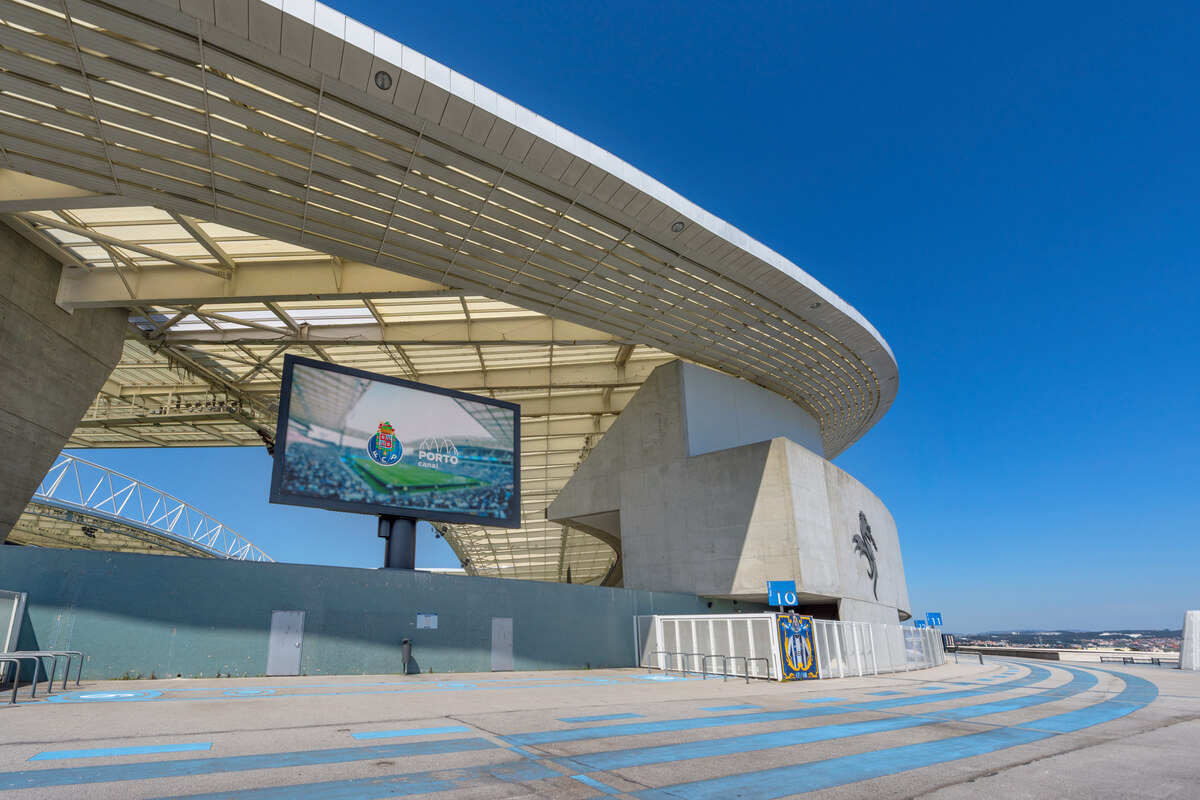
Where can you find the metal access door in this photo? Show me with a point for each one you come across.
(283, 649)
(502, 644)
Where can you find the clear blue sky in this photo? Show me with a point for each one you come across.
(1009, 192)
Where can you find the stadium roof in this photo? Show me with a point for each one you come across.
(252, 178)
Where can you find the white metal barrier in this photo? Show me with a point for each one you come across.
(871, 648)
(843, 648)
(749, 636)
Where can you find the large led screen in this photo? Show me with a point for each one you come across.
(350, 440)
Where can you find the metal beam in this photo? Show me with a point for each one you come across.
(252, 281)
(88, 233)
(21, 192)
(533, 330)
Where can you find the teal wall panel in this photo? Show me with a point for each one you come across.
(167, 615)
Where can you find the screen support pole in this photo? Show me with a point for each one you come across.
(401, 536)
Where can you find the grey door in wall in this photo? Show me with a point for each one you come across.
(502, 644)
(283, 647)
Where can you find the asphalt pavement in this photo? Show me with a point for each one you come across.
(1008, 728)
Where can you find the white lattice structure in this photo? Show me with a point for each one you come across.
(82, 505)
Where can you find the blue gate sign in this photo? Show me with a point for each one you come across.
(934, 618)
(920, 623)
(797, 647)
(781, 593)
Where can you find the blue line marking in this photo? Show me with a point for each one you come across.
(882, 694)
(456, 781)
(101, 752)
(1036, 675)
(412, 732)
(67, 776)
(113, 696)
(601, 718)
(811, 776)
(521, 751)
(409, 688)
(822, 700)
(930, 688)
(729, 708)
(636, 757)
(595, 784)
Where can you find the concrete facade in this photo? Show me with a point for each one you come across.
(52, 365)
(142, 614)
(722, 523)
(1189, 647)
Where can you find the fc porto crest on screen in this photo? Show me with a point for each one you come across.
(383, 447)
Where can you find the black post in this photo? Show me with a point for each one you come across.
(401, 536)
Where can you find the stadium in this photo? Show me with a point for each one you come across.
(208, 188)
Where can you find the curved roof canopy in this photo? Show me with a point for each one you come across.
(250, 180)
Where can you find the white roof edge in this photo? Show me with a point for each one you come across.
(384, 47)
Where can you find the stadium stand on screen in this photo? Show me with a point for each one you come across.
(354, 441)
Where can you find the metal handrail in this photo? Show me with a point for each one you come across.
(738, 658)
(704, 666)
(17, 658)
(686, 656)
(53, 655)
(54, 669)
(105, 494)
(17, 669)
(764, 660)
(667, 668)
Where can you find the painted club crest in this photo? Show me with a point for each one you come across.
(383, 447)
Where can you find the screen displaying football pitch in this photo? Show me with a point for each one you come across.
(355, 441)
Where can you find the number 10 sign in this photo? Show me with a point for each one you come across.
(781, 593)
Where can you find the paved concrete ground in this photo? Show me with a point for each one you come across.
(1008, 728)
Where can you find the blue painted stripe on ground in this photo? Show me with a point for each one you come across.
(784, 781)
(930, 688)
(1036, 674)
(101, 752)
(601, 718)
(636, 757)
(587, 780)
(521, 751)
(1138, 693)
(459, 781)
(220, 694)
(822, 700)
(729, 708)
(883, 694)
(811, 776)
(412, 732)
(66, 776)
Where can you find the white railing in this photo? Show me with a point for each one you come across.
(844, 649)
(81, 486)
(749, 636)
(871, 648)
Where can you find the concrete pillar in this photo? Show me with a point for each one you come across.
(52, 365)
(1189, 648)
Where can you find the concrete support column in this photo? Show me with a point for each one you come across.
(1189, 650)
(52, 365)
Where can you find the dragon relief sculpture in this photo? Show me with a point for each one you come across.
(864, 545)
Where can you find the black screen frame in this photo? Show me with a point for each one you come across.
(277, 495)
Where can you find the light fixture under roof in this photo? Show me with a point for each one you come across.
(383, 80)
(816, 304)
(677, 227)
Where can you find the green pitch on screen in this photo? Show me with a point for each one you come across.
(403, 476)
